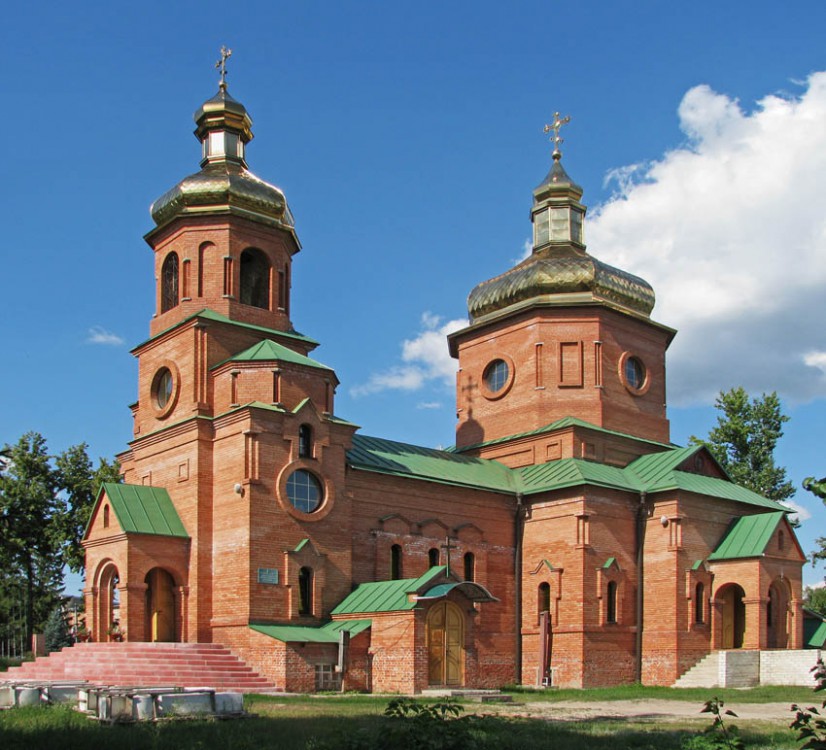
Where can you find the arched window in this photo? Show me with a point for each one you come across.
(699, 606)
(255, 279)
(169, 282)
(543, 598)
(433, 557)
(470, 566)
(611, 608)
(305, 441)
(305, 591)
(396, 562)
(105, 516)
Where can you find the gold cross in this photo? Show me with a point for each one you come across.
(555, 126)
(222, 65)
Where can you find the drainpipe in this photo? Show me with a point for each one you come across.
(519, 525)
(642, 512)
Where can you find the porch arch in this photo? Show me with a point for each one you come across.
(107, 606)
(777, 614)
(161, 606)
(732, 615)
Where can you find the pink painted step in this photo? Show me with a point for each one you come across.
(179, 664)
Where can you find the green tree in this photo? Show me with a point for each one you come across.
(80, 483)
(744, 440)
(30, 513)
(815, 599)
(57, 631)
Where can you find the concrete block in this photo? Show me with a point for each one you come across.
(28, 696)
(229, 703)
(185, 704)
(143, 707)
(6, 696)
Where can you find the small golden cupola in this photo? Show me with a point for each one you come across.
(559, 270)
(224, 185)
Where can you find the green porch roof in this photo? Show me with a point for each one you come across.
(814, 632)
(747, 536)
(270, 351)
(327, 633)
(144, 510)
(386, 596)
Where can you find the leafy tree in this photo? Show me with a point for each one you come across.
(744, 440)
(57, 631)
(815, 599)
(29, 520)
(80, 484)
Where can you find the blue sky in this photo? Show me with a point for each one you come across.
(408, 138)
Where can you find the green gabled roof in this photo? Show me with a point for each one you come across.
(652, 467)
(716, 487)
(402, 459)
(144, 510)
(386, 596)
(814, 632)
(328, 633)
(559, 424)
(571, 472)
(207, 314)
(270, 351)
(747, 536)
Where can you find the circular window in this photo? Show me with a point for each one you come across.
(163, 387)
(304, 491)
(496, 375)
(634, 373)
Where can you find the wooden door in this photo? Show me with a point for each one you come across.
(445, 644)
(161, 606)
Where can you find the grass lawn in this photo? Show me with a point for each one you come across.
(289, 722)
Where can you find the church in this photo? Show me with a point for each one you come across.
(563, 540)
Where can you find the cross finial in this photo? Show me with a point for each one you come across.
(222, 66)
(555, 139)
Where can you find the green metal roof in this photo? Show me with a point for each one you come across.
(327, 633)
(814, 632)
(747, 536)
(652, 467)
(402, 459)
(559, 424)
(571, 472)
(144, 510)
(716, 487)
(207, 314)
(472, 590)
(270, 351)
(386, 596)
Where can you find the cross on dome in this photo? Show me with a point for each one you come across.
(556, 126)
(222, 66)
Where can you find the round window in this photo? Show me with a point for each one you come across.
(634, 373)
(496, 375)
(304, 491)
(163, 387)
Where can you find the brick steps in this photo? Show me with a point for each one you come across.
(174, 664)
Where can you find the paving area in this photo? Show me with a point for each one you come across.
(638, 710)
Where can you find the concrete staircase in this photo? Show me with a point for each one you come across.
(144, 664)
(705, 673)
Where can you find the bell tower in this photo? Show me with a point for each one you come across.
(560, 335)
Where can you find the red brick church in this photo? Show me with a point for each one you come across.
(563, 539)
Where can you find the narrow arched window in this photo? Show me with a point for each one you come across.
(543, 598)
(305, 591)
(699, 606)
(611, 609)
(255, 279)
(470, 566)
(396, 562)
(105, 516)
(305, 441)
(433, 557)
(169, 282)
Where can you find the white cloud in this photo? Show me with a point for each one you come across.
(429, 405)
(99, 335)
(801, 513)
(425, 357)
(730, 231)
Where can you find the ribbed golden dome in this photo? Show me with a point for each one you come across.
(224, 184)
(223, 187)
(553, 271)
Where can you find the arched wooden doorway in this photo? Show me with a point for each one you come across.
(733, 614)
(160, 606)
(777, 615)
(445, 644)
(108, 604)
